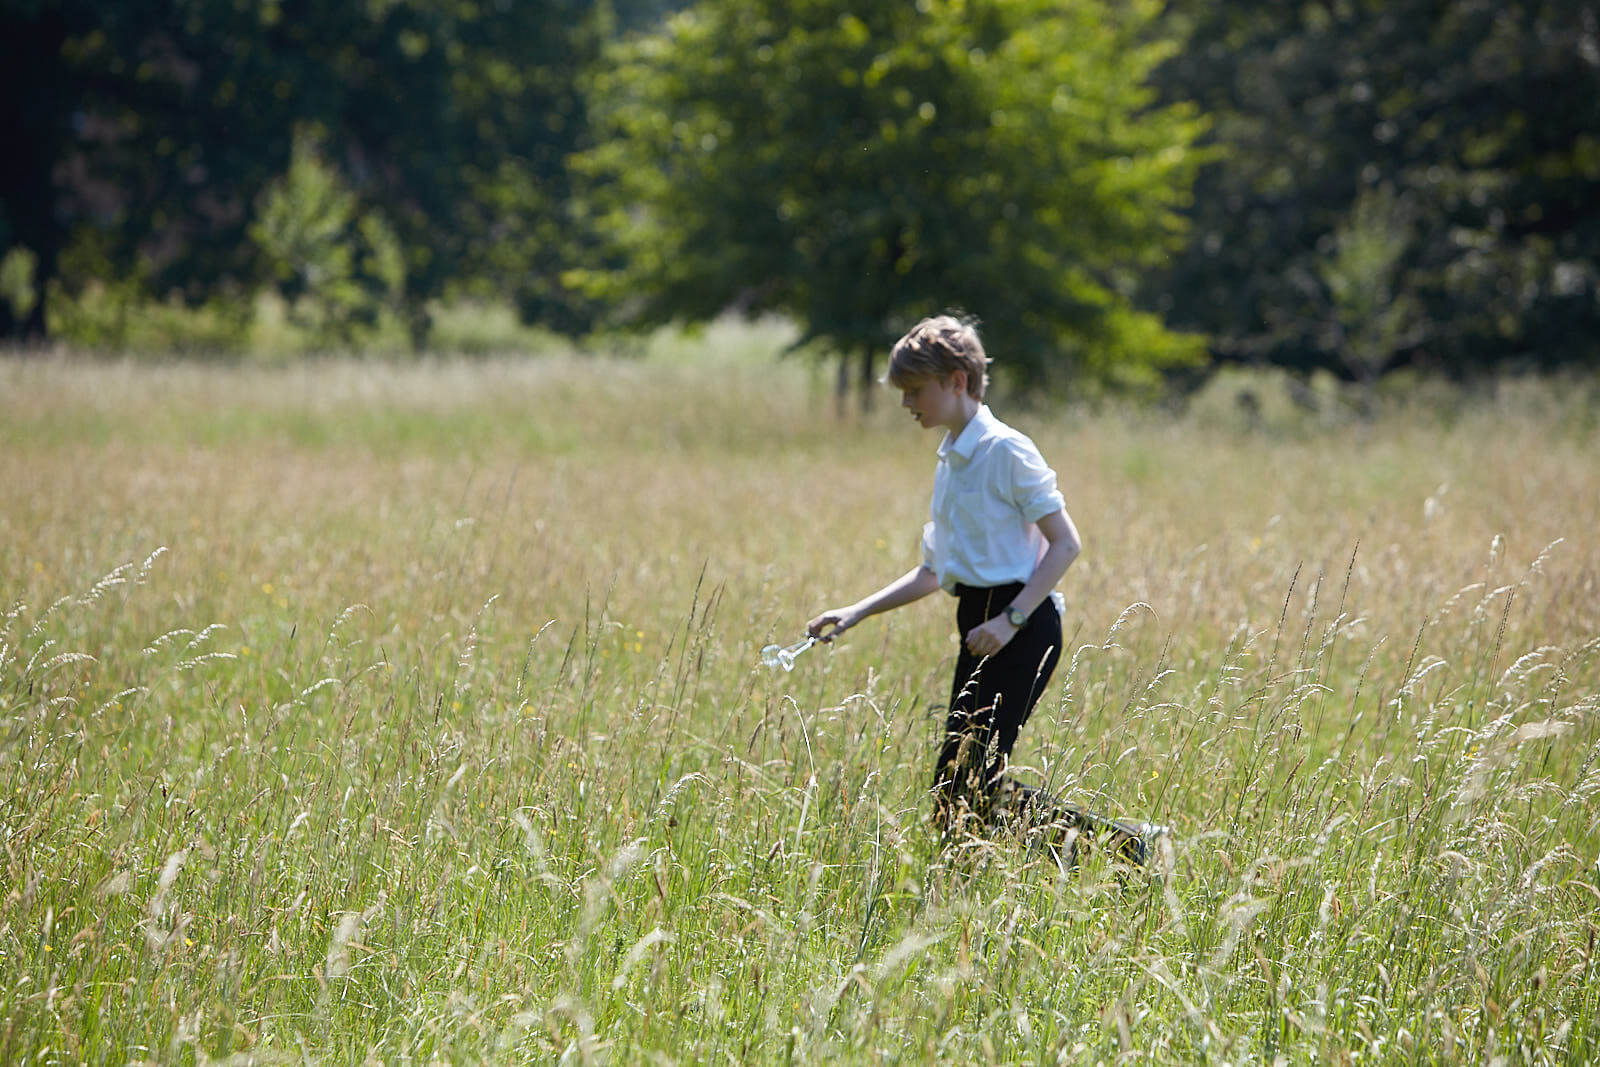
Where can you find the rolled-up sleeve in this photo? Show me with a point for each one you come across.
(1033, 483)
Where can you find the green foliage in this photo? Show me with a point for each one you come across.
(111, 311)
(1480, 117)
(17, 288)
(338, 267)
(1375, 319)
(1109, 187)
(158, 130)
(856, 167)
(120, 316)
(483, 328)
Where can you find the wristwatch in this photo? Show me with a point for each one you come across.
(1016, 616)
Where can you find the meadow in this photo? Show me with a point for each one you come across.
(360, 711)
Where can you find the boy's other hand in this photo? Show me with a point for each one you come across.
(841, 619)
(991, 637)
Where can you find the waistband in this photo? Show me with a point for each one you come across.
(1008, 590)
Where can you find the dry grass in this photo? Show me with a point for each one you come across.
(353, 709)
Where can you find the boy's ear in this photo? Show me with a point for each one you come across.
(958, 378)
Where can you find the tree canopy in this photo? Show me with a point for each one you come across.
(856, 166)
(1458, 141)
(153, 131)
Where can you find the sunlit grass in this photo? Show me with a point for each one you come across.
(357, 709)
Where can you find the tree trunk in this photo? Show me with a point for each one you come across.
(865, 380)
(869, 383)
(419, 324)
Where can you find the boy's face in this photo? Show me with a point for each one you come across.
(935, 402)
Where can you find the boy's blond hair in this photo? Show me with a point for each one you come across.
(936, 348)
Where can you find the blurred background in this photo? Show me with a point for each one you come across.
(1128, 194)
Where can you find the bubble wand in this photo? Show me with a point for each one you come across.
(776, 656)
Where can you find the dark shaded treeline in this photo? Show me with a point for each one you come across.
(1406, 181)
(151, 132)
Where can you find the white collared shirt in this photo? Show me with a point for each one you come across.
(990, 490)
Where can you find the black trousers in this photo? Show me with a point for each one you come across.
(991, 697)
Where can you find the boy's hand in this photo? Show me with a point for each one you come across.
(991, 637)
(841, 619)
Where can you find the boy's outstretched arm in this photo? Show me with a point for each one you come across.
(1062, 547)
(913, 585)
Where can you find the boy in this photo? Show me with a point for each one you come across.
(999, 539)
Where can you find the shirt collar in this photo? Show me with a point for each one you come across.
(974, 431)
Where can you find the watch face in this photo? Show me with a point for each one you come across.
(1016, 617)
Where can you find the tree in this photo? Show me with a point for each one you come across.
(336, 266)
(1480, 118)
(36, 111)
(149, 133)
(856, 166)
(1372, 316)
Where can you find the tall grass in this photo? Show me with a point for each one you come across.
(413, 713)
